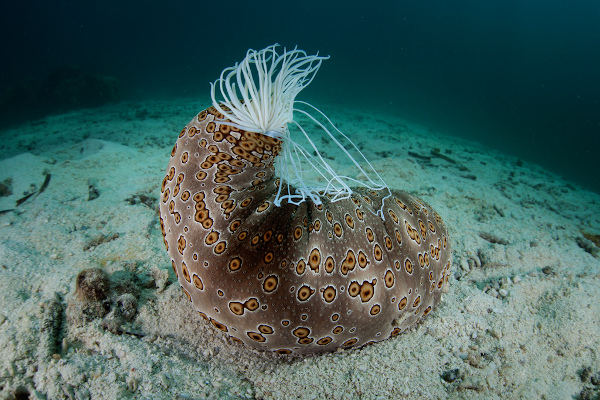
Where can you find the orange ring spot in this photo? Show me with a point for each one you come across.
(305, 292)
(267, 236)
(297, 233)
(337, 229)
(251, 304)
(235, 264)
(324, 341)
(366, 291)
(354, 289)
(236, 308)
(301, 332)
(402, 303)
(186, 273)
(235, 225)
(408, 266)
(256, 336)
(417, 302)
(211, 238)
(270, 284)
(398, 236)
(349, 221)
(329, 264)
(218, 325)
(362, 259)
(300, 267)
(329, 294)
(197, 282)
(314, 259)
(389, 279)
(377, 252)
(370, 235)
(375, 309)
(220, 247)
(269, 257)
(246, 202)
(266, 329)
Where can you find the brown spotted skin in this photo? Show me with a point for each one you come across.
(293, 279)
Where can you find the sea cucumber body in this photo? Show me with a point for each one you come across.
(295, 279)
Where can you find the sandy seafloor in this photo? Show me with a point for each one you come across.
(521, 318)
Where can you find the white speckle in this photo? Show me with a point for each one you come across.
(82, 394)
(464, 265)
(132, 384)
(111, 377)
(503, 292)
(497, 333)
(162, 379)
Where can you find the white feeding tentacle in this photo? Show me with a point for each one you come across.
(267, 91)
(258, 95)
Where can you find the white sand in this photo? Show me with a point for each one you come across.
(521, 319)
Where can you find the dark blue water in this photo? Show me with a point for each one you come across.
(520, 76)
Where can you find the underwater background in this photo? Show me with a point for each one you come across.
(488, 111)
(518, 76)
